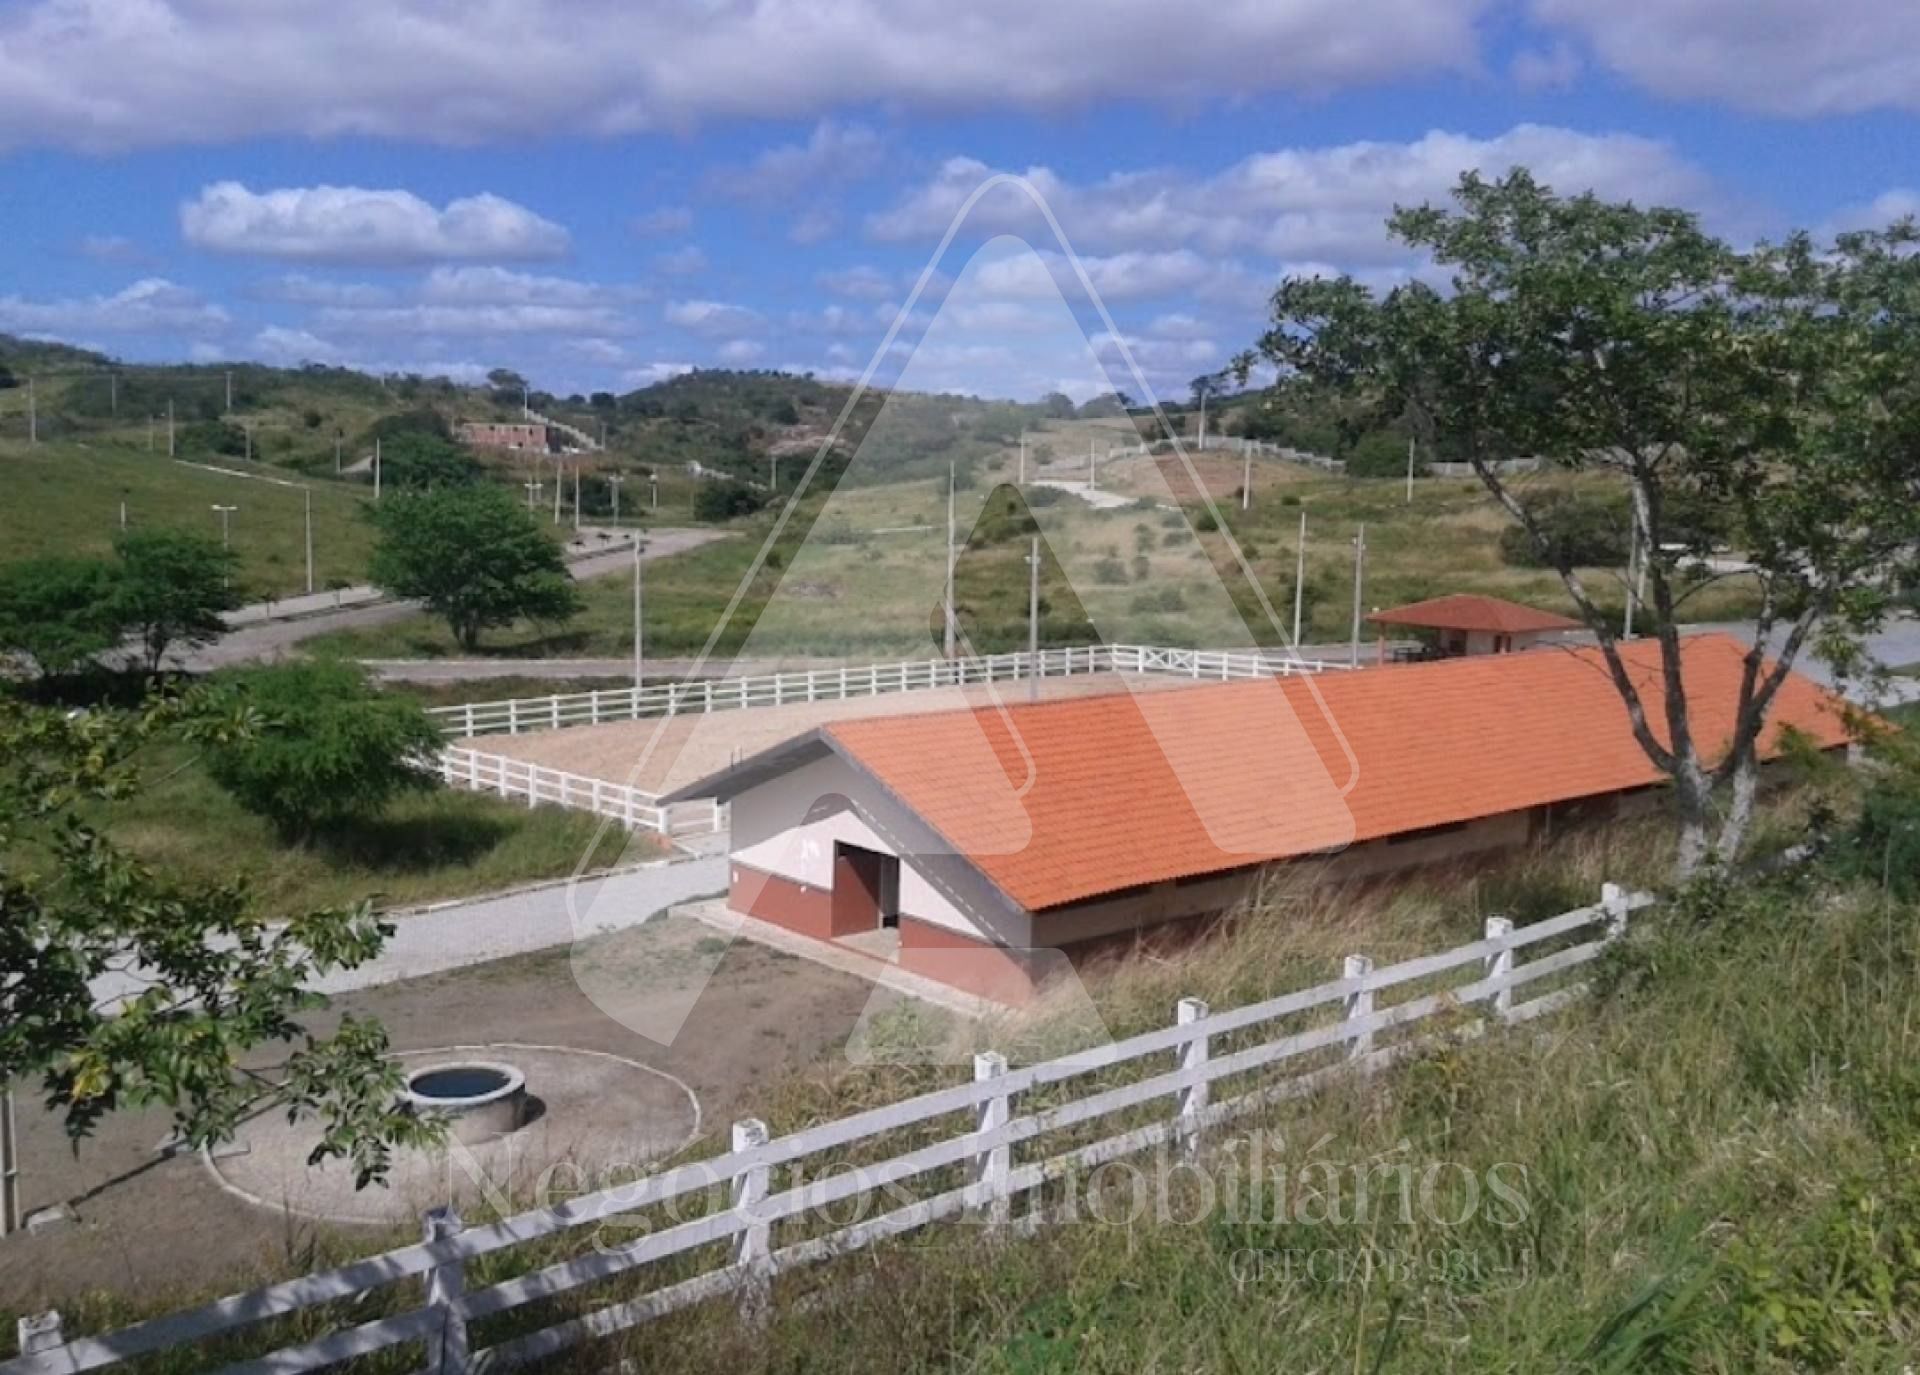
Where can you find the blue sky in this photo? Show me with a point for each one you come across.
(599, 194)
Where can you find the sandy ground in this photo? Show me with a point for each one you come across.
(741, 1017)
(660, 755)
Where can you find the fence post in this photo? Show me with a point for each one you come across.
(752, 1246)
(469, 720)
(447, 1346)
(593, 706)
(1613, 901)
(992, 1166)
(513, 716)
(1193, 1059)
(554, 708)
(40, 1333)
(1499, 965)
(1359, 1006)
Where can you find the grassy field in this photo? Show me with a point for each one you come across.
(425, 847)
(65, 498)
(867, 576)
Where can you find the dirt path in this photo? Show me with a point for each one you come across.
(159, 1228)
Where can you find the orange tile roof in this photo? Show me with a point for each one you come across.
(1469, 611)
(1061, 801)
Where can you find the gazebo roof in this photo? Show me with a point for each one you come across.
(1470, 611)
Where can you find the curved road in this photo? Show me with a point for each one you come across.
(261, 639)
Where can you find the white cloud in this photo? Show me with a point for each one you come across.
(648, 374)
(833, 154)
(1326, 203)
(713, 317)
(279, 344)
(152, 305)
(663, 223)
(740, 351)
(1119, 277)
(297, 288)
(500, 286)
(681, 262)
(860, 282)
(110, 248)
(1878, 213)
(349, 224)
(454, 321)
(1774, 56)
(125, 73)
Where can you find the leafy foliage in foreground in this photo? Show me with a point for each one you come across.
(120, 988)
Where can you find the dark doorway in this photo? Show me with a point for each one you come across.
(866, 884)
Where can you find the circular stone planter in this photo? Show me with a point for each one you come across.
(480, 1099)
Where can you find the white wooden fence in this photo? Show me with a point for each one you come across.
(516, 778)
(1010, 1146)
(515, 715)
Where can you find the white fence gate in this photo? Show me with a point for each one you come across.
(1009, 1146)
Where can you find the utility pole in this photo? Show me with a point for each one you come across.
(638, 644)
(559, 484)
(225, 534)
(123, 510)
(773, 472)
(576, 496)
(613, 485)
(1033, 622)
(653, 480)
(526, 411)
(1246, 480)
(950, 628)
(1203, 420)
(1359, 580)
(247, 428)
(1300, 580)
(1409, 470)
(308, 492)
(9, 1166)
(229, 391)
(1023, 459)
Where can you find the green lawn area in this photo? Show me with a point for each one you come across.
(860, 573)
(65, 499)
(425, 847)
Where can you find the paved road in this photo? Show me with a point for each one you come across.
(1895, 646)
(493, 928)
(262, 639)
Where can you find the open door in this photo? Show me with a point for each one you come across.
(865, 883)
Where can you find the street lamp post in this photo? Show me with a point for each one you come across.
(613, 485)
(226, 535)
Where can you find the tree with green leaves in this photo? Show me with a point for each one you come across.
(172, 588)
(58, 612)
(123, 989)
(412, 460)
(323, 745)
(1773, 389)
(475, 556)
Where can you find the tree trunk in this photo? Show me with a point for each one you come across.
(1693, 797)
(1733, 827)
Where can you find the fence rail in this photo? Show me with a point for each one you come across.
(515, 715)
(1005, 1109)
(516, 778)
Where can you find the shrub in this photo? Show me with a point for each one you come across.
(1109, 572)
(717, 501)
(322, 745)
(1581, 532)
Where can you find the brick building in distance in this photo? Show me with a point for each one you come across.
(489, 434)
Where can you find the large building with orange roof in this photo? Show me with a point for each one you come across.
(969, 845)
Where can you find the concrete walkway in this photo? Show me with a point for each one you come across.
(457, 934)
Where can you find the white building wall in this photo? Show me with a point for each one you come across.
(772, 832)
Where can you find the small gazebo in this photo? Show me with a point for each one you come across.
(1466, 623)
